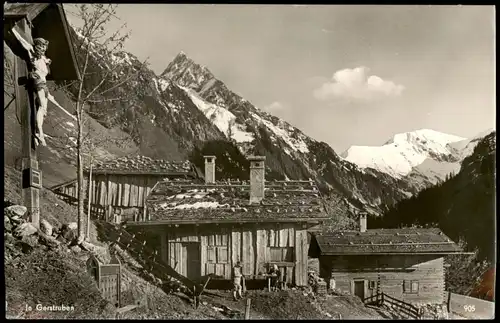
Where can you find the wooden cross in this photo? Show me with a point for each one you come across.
(22, 23)
(25, 102)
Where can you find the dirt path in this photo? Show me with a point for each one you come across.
(223, 301)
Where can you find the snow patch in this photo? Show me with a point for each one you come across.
(161, 84)
(279, 131)
(73, 140)
(121, 57)
(224, 120)
(200, 205)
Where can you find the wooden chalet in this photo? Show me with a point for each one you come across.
(406, 264)
(205, 228)
(119, 187)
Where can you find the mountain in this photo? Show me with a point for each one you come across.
(186, 110)
(422, 157)
(463, 206)
(289, 151)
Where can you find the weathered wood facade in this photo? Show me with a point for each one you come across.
(205, 228)
(121, 186)
(404, 263)
(197, 251)
(413, 279)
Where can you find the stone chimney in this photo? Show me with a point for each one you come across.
(209, 169)
(362, 222)
(257, 178)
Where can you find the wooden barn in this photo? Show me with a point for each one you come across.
(205, 228)
(406, 264)
(120, 186)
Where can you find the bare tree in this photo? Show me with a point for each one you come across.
(102, 78)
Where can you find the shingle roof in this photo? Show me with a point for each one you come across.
(143, 165)
(50, 22)
(24, 9)
(408, 240)
(229, 201)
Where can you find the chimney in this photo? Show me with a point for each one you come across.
(362, 222)
(257, 178)
(209, 169)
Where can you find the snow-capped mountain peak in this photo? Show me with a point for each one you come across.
(424, 137)
(405, 151)
(185, 72)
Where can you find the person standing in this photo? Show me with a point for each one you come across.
(237, 274)
(274, 277)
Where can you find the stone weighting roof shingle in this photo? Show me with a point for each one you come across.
(185, 201)
(384, 241)
(142, 165)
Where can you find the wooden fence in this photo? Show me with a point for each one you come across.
(470, 307)
(108, 278)
(380, 299)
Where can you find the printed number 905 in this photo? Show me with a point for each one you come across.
(469, 308)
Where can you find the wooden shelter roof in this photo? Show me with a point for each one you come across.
(47, 20)
(28, 10)
(383, 241)
(229, 201)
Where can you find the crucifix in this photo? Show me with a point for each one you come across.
(31, 174)
(29, 29)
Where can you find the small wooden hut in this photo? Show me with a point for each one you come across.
(205, 228)
(120, 186)
(404, 263)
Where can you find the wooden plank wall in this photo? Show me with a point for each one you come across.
(249, 244)
(122, 191)
(429, 273)
(215, 255)
(301, 249)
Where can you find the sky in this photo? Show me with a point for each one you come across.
(346, 75)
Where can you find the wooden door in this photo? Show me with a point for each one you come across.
(359, 288)
(192, 259)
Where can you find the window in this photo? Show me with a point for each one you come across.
(217, 251)
(372, 284)
(410, 286)
(257, 164)
(281, 254)
(217, 254)
(414, 286)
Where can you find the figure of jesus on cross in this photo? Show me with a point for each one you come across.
(39, 71)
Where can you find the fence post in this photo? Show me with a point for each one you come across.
(247, 309)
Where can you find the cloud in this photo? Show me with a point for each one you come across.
(356, 84)
(275, 106)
